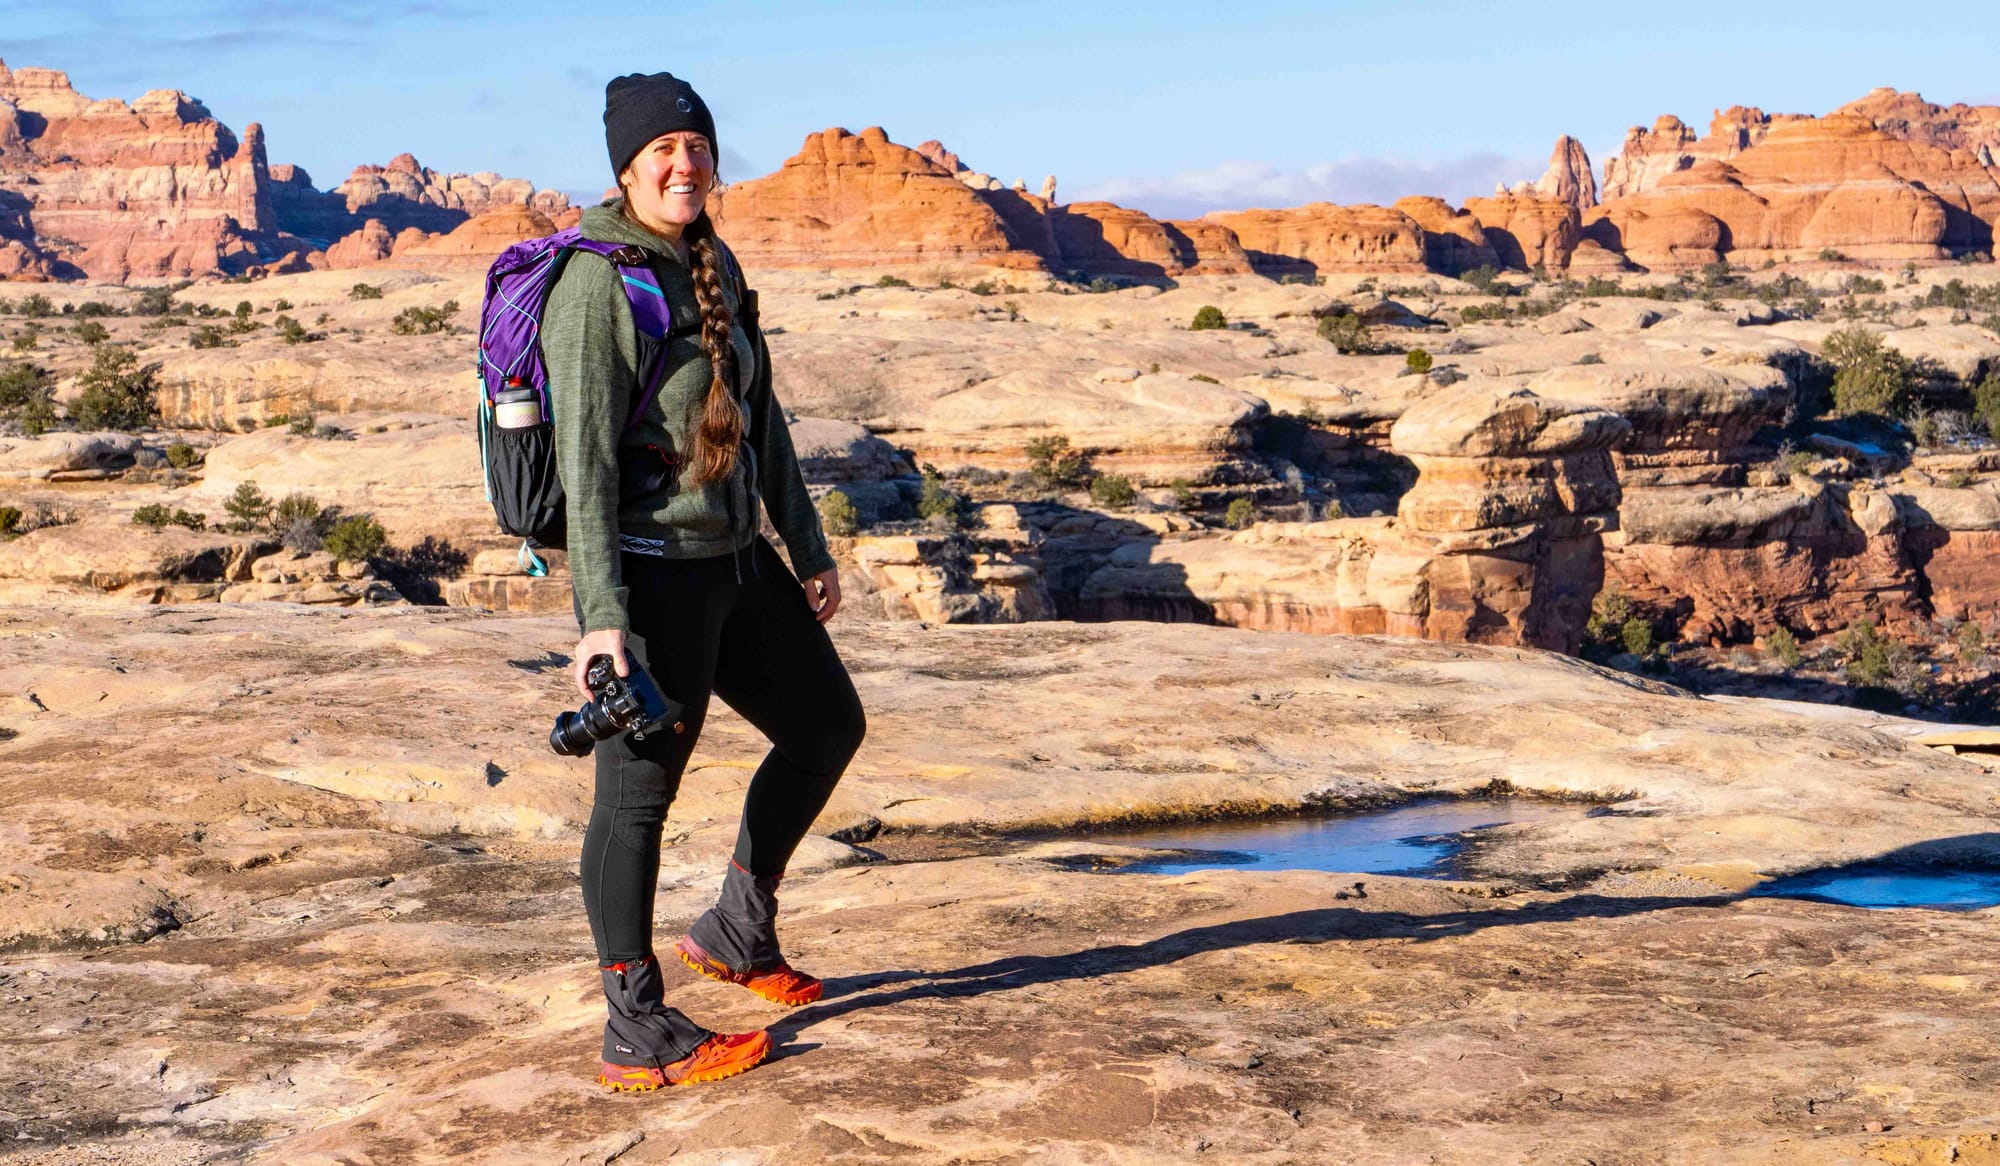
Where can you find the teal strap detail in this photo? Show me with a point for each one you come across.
(531, 562)
(643, 285)
(485, 459)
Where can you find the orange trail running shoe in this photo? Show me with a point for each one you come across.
(722, 1055)
(780, 983)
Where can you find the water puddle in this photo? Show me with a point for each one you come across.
(1938, 888)
(1419, 839)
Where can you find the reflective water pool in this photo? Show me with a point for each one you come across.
(1416, 839)
(1941, 888)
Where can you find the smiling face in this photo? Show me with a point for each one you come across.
(668, 181)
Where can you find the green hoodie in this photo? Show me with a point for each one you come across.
(617, 479)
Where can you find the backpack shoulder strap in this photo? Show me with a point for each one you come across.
(746, 296)
(651, 313)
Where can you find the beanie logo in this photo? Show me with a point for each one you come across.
(686, 106)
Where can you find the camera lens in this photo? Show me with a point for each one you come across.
(571, 736)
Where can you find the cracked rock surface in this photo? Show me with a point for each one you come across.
(291, 885)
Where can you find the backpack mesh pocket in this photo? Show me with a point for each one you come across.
(521, 473)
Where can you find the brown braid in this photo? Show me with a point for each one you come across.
(721, 417)
(721, 429)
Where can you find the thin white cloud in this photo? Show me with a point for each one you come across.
(1240, 185)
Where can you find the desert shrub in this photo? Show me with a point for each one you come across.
(303, 534)
(1971, 643)
(938, 503)
(277, 419)
(293, 332)
(1636, 635)
(1924, 430)
(424, 321)
(984, 287)
(1958, 479)
(417, 571)
(282, 306)
(92, 308)
(156, 301)
(10, 520)
(298, 519)
(1204, 378)
(1184, 496)
(1986, 403)
(247, 507)
(1590, 358)
(1716, 274)
(181, 455)
(117, 392)
(26, 342)
(25, 390)
(91, 332)
(1055, 465)
(301, 426)
(1869, 376)
(1207, 318)
(838, 515)
(332, 433)
(209, 336)
(158, 517)
(1486, 278)
(1417, 361)
(1784, 648)
(1867, 652)
(1608, 613)
(892, 281)
(1346, 333)
(1242, 513)
(364, 291)
(1792, 462)
(1831, 255)
(36, 307)
(1112, 490)
(355, 538)
(1862, 285)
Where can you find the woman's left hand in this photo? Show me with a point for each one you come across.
(823, 593)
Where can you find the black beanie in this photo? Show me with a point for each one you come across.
(639, 107)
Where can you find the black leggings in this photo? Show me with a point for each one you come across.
(740, 627)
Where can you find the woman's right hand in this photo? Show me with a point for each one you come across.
(602, 642)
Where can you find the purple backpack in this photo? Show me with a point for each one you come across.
(520, 458)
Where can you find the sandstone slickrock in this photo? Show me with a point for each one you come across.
(404, 945)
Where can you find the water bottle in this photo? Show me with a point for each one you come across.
(517, 407)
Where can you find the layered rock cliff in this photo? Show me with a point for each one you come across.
(160, 188)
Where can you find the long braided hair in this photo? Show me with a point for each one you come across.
(721, 428)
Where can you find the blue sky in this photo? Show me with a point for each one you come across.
(1172, 107)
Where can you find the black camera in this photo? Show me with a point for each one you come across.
(623, 703)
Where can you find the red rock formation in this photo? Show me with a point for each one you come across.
(402, 194)
(154, 188)
(1526, 231)
(160, 188)
(1323, 237)
(1568, 178)
(1454, 241)
(862, 200)
(1890, 177)
(1513, 494)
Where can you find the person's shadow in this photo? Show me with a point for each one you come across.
(848, 994)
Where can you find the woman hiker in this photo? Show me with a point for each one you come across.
(668, 565)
